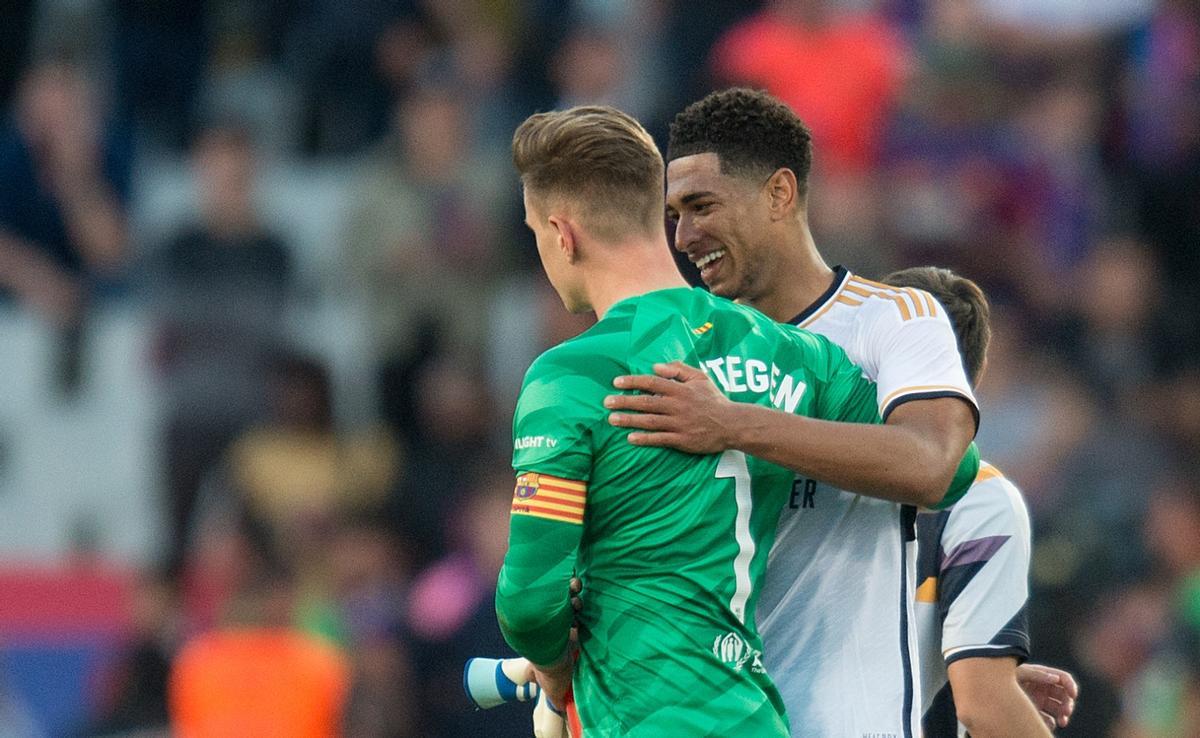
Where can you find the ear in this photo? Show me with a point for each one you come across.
(783, 193)
(566, 237)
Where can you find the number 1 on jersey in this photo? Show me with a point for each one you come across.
(732, 465)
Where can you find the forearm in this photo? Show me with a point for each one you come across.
(885, 461)
(23, 267)
(18, 259)
(532, 598)
(95, 222)
(1004, 711)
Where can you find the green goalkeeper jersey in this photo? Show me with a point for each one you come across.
(671, 547)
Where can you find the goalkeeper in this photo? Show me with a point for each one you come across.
(671, 547)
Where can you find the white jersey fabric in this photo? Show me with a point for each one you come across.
(836, 610)
(973, 574)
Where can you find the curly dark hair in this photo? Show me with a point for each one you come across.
(751, 132)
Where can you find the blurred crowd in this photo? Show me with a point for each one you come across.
(353, 496)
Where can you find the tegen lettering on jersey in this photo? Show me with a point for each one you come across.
(740, 374)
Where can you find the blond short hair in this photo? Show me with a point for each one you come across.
(598, 159)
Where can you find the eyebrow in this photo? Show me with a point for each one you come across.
(691, 197)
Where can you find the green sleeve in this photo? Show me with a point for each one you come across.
(843, 394)
(552, 441)
(532, 600)
(964, 477)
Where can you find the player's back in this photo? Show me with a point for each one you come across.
(673, 544)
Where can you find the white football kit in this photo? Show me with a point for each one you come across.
(973, 574)
(836, 610)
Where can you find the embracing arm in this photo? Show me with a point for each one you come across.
(990, 702)
(1052, 691)
(914, 459)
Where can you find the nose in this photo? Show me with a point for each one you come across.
(686, 233)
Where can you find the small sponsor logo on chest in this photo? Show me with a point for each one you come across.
(525, 442)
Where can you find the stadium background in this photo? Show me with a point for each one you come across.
(269, 380)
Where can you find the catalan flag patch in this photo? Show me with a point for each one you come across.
(551, 498)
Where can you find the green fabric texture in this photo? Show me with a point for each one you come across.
(673, 546)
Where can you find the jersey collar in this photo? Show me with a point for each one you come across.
(840, 275)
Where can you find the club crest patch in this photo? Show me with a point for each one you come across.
(527, 486)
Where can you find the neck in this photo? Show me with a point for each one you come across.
(796, 280)
(629, 269)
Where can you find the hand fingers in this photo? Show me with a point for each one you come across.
(576, 585)
(669, 440)
(1056, 693)
(1061, 710)
(1068, 682)
(639, 403)
(519, 670)
(679, 372)
(1037, 675)
(646, 383)
(1067, 712)
(1049, 675)
(1065, 718)
(643, 421)
(1047, 719)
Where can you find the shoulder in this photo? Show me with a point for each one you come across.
(818, 351)
(878, 302)
(993, 502)
(586, 363)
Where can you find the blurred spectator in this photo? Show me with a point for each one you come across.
(452, 616)
(64, 184)
(1035, 21)
(160, 51)
(257, 676)
(1176, 410)
(1163, 698)
(219, 288)
(369, 573)
(449, 433)
(419, 240)
(1064, 194)
(1110, 331)
(296, 475)
(351, 60)
(16, 24)
(612, 55)
(135, 696)
(840, 71)
(1160, 152)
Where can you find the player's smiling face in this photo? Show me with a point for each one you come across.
(721, 223)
